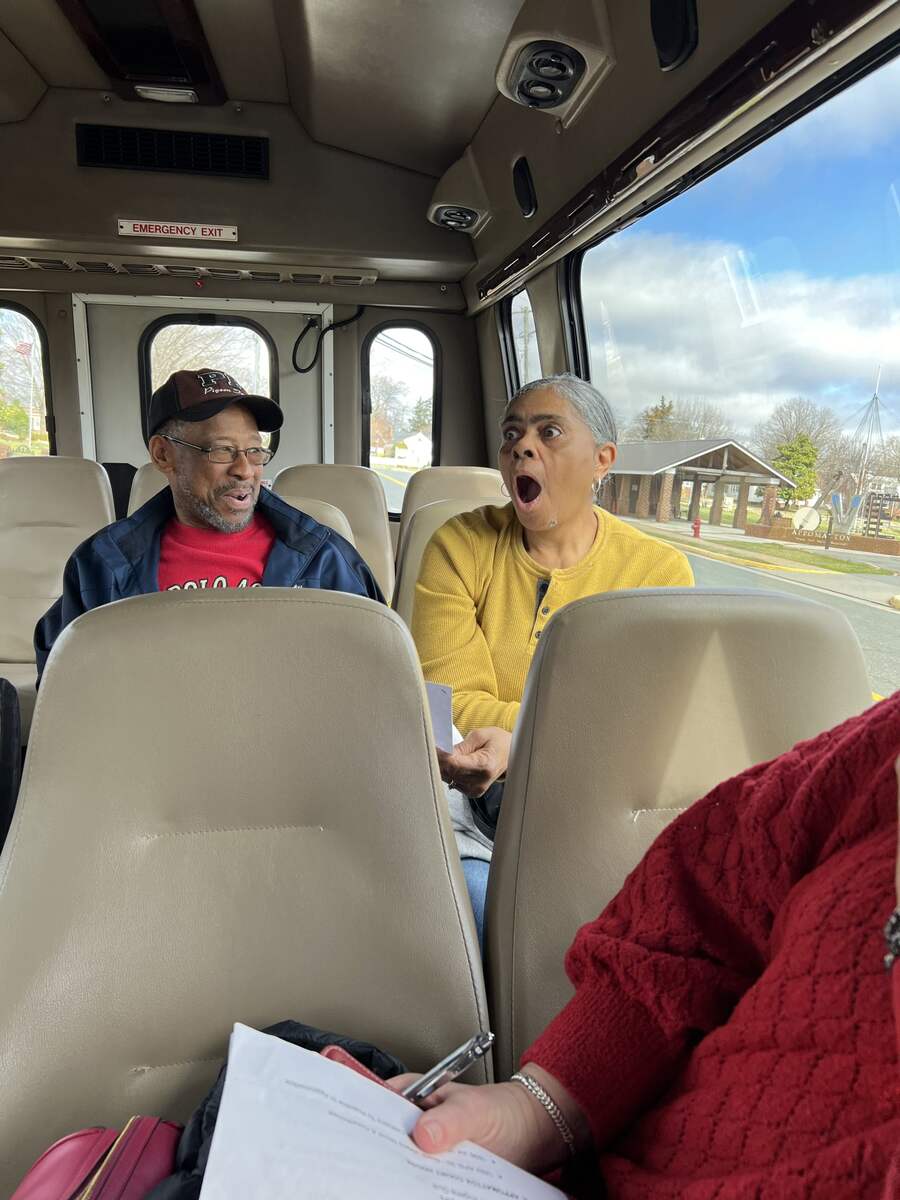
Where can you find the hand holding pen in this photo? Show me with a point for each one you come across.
(449, 1068)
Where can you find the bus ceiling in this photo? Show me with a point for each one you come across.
(319, 148)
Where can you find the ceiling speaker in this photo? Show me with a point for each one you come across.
(454, 216)
(676, 31)
(545, 74)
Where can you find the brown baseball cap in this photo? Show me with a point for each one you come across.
(198, 395)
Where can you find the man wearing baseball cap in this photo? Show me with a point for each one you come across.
(214, 526)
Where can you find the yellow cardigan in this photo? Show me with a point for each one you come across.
(481, 602)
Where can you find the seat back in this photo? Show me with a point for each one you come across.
(48, 506)
(637, 704)
(145, 485)
(358, 493)
(325, 514)
(477, 485)
(422, 526)
(248, 836)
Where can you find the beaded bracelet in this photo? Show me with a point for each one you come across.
(892, 937)
(554, 1112)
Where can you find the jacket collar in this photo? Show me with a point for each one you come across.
(298, 538)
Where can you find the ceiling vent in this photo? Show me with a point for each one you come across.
(310, 276)
(133, 149)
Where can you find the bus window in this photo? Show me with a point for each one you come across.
(399, 437)
(23, 392)
(745, 334)
(226, 344)
(528, 356)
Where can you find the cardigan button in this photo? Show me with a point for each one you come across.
(545, 610)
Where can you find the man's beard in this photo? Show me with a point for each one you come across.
(207, 515)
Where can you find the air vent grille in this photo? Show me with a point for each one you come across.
(132, 149)
(309, 276)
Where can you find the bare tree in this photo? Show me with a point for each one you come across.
(235, 349)
(678, 421)
(793, 418)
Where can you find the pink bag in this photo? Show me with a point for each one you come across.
(100, 1164)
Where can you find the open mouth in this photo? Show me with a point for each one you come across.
(527, 490)
(239, 501)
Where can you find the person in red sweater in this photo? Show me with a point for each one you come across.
(732, 1033)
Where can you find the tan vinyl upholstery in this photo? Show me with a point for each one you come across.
(258, 831)
(422, 526)
(48, 506)
(358, 493)
(478, 485)
(325, 514)
(147, 482)
(637, 704)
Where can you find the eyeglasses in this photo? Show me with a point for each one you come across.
(257, 456)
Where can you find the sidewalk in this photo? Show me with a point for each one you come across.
(876, 589)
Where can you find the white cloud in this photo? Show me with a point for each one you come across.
(675, 317)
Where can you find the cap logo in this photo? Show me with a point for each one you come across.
(216, 383)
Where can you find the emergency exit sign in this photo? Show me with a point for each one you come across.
(195, 231)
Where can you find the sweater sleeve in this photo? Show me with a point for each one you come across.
(452, 647)
(688, 934)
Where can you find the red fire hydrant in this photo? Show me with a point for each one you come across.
(696, 527)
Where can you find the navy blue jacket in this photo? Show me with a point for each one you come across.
(123, 560)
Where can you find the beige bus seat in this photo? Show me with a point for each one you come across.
(148, 481)
(358, 493)
(478, 485)
(422, 526)
(325, 514)
(637, 704)
(48, 506)
(261, 833)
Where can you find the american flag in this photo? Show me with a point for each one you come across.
(24, 348)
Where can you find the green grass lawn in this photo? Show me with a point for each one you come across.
(807, 558)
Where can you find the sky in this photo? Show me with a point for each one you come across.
(778, 276)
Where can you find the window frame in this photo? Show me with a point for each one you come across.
(49, 417)
(145, 344)
(366, 393)
(508, 339)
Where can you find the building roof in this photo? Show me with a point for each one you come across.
(651, 458)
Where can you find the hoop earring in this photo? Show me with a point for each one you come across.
(597, 489)
(504, 491)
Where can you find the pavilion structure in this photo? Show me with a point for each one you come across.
(649, 480)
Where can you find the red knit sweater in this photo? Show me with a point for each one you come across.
(732, 1032)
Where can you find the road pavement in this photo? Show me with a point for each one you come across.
(394, 480)
(878, 629)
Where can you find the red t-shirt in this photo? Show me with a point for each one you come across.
(192, 558)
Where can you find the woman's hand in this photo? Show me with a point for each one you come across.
(477, 761)
(501, 1117)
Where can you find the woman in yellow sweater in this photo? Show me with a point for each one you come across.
(491, 580)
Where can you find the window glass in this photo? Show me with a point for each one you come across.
(23, 403)
(237, 349)
(401, 424)
(528, 357)
(758, 314)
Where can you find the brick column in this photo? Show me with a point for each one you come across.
(694, 506)
(623, 494)
(643, 500)
(740, 513)
(677, 486)
(664, 504)
(770, 495)
(715, 513)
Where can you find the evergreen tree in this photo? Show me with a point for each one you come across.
(797, 460)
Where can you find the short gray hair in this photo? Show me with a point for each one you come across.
(584, 398)
(172, 428)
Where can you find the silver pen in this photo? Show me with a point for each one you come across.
(449, 1068)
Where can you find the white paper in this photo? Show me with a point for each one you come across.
(440, 702)
(293, 1125)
